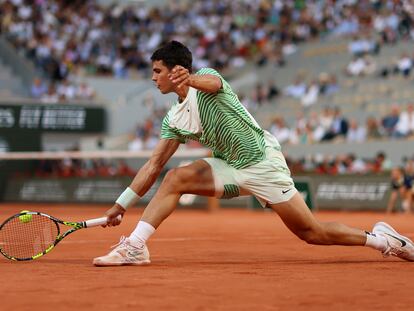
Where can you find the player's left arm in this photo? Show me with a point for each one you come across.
(206, 83)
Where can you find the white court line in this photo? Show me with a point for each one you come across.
(218, 239)
(177, 240)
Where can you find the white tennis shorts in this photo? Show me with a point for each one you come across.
(269, 180)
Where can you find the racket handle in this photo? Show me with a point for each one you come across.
(99, 221)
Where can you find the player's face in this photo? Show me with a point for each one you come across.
(160, 74)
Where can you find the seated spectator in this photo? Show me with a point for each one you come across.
(66, 91)
(319, 124)
(354, 165)
(38, 88)
(327, 166)
(280, 130)
(273, 90)
(328, 84)
(390, 121)
(300, 121)
(307, 135)
(361, 66)
(51, 96)
(360, 46)
(372, 129)
(404, 65)
(311, 94)
(339, 126)
(356, 67)
(84, 91)
(405, 124)
(349, 25)
(297, 89)
(356, 133)
(119, 68)
(381, 163)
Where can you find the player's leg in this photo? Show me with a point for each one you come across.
(298, 218)
(195, 178)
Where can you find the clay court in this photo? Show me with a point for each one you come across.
(231, 259)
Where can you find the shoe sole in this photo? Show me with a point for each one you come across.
(142, 263)
(392, 230)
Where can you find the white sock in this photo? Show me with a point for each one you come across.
(142, 233)
(376, 241)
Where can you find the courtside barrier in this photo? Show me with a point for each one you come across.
(347, 192)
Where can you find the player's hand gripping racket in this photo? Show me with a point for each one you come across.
(30, 235)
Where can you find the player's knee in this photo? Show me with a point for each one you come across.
(172, 179)
(176, 179)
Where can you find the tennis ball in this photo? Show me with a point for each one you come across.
(25, 218)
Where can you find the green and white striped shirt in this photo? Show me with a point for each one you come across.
(220, 122)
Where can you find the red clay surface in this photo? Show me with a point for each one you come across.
(226, 260)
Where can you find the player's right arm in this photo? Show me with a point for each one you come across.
(146, 175)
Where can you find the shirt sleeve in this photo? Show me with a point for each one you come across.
(168, 132)
(225, 86)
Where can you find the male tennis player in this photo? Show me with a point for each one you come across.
(246, 160)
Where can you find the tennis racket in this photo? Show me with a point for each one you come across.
(30, 235)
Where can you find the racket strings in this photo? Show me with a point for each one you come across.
(27, 238)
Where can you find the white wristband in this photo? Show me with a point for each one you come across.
(127, 198)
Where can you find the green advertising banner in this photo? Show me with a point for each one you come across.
(53, 118)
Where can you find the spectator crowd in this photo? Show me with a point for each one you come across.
(332, 126)
(63, 36)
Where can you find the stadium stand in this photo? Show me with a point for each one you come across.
(315, 50)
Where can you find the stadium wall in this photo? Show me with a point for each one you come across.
(348, 192)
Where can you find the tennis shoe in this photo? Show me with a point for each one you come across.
(124, 253)
(397, 244)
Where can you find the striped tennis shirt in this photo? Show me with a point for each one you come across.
(220, 122)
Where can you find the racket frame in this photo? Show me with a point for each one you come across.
(74, 227)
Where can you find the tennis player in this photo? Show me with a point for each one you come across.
(246, 160)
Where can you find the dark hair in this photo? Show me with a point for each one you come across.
(174, 53)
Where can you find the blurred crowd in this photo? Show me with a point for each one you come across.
(316, 164)
(81, 168)
(340, 164)
(330, 125)
(65, 91)
(75, 38)
(63, 36)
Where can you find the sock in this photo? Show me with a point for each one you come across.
(376, 241)
(141, 233)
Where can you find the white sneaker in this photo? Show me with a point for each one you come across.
(398, 245)
(124, 254)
